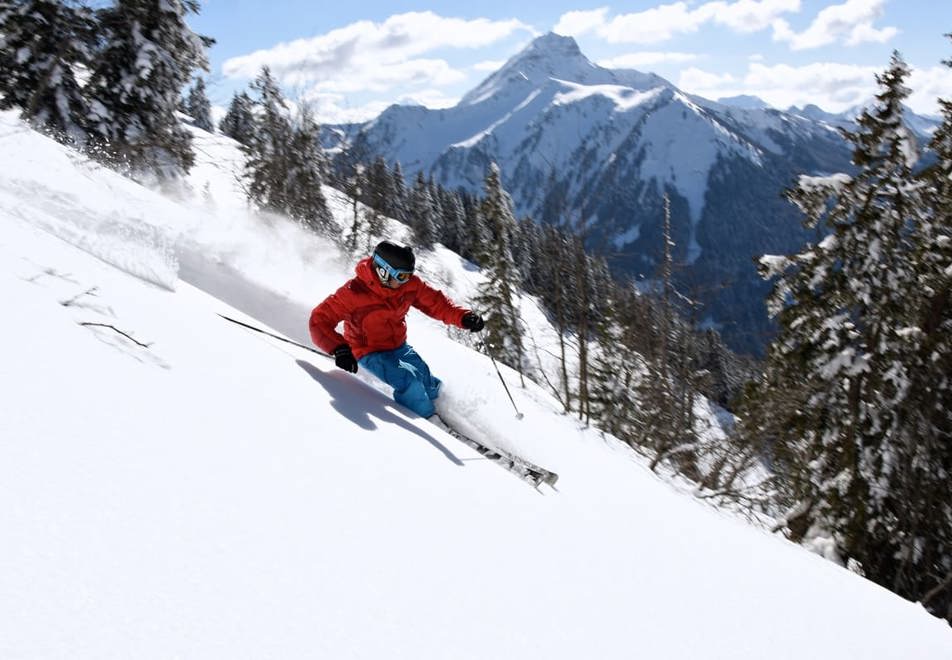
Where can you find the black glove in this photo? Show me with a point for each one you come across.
(344, 358)
(473, 321)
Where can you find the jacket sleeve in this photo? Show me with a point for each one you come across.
(435, 304)
(324, 320)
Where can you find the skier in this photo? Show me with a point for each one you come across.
(373, 306)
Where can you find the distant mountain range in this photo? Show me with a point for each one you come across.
(597, 148)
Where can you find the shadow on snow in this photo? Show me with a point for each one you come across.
(345, 391)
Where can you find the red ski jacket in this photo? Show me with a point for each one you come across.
(374, 316)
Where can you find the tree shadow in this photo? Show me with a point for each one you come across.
(359, 403)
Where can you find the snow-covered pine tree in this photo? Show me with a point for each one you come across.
(379, 184)
(497, 298)
(847, 341)
(400, 200)
(380, 194)
(355, 187)
(285, 165)
(476, 239)
(198, 107)
(668, 389)
(926, 575)
(527, 241)
(239, 122)
(454, 226)
(422, 219)
(617, 371)
(306, 171)
(436, 195)
(136, 84)
(267, 158)
(42, 42)
(581, 303)
(554, 249)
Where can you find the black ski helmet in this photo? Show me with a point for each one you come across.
(397, 256)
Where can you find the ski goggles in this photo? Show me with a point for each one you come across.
(386, 271)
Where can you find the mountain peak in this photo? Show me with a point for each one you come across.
(553, 45)
(548, 56)
(744, 102)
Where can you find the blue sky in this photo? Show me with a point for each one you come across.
(353, 59)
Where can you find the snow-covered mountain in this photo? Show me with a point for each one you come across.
(922, 126)
(176, 486)
(744, 102)
(580, 143)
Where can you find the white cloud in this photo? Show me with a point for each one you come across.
(693, 79)
(654, 25)
(928, 86)
(749, 15)
(834, 87)
(667, 21)
(644, 59)
(334, 108)
(369, 56)
(574, 23)
(850, 23)
(431, 98)
(489, 65)
(382, 77)
(331, 108)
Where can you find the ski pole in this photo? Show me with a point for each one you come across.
(278, 337)
(503, 381)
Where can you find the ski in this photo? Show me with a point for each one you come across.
(529, 472)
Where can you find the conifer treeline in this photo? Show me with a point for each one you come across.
(137, 56)
(627, 362)
(856, 401)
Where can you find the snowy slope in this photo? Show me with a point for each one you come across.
(220, 495)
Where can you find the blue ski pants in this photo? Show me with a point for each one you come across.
(404, 370)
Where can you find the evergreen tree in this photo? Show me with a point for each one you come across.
(400, 200)
(267, 150)
(667, 390)
(285, 165)
(617, 373)
(41, 44)
(239, 122)
(497, 298)
(379, 184)
(926, 575)
(554, 250)
(438, 195)
(380, 195)
(422, 219)
(199, 108)
(355, 186)
(477, 238)
(454, 222)
(149, 56)
(526, 247)
(849, 310)
(307, 169)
